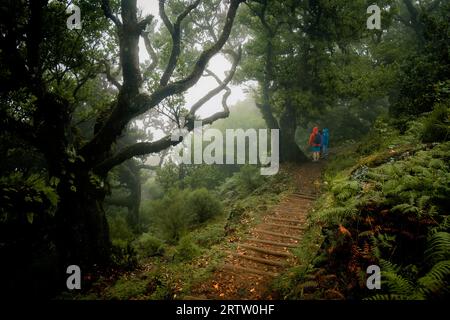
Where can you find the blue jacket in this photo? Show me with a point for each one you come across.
(325, 137)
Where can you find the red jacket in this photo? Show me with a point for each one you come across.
(312, 136)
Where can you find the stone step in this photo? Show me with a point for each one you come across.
(286, 220)
(240, 270)
(284, 226)
(261, 260)
(304, 196)
(274, 243)
(277, 234)
(266, 251)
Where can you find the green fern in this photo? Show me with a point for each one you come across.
(434, 282)
(388, 297)
(406, 208)
(438, 247)
(436, 279)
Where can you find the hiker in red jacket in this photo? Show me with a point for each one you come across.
(315, 141)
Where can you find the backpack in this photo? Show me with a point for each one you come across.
(317, 140)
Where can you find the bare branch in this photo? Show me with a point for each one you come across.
(108, 13)
(222, 84)
(136, 149)
(81, 82)
(110, 77)
(128, 107)
(146, 21)
(143, 148)
(164, 18)
(151, 52)
(175, 31)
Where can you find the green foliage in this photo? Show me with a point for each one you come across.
(125, 289)
(438, 247)
(204, 176)
(437, 126)
(203, 205)
(172, 220)
(24, 196)
(118, 226)
(168, 176)
(423, 80)
(148, 245)
(191, 176)
(186, 250)
(378, 211)
(209, 234)
(123, 255)
(244, 182)
(179, 211)
(401, 286)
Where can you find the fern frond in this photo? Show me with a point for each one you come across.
(388, 266)
(437, 278)
(396, 283)
(406, 208)
(438, 247)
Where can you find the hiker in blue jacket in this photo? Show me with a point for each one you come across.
(325, 140)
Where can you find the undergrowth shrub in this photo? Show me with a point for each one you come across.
(123, 255)
(437, 124)
(203, 205)
(208, 235)
(243, 182)
(186, 250)
(125, 289)
(118, 227)
(148, 245)
(179, 211)
(171, 217)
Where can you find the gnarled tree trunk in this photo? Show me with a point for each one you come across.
(289, 150)
(82, 234)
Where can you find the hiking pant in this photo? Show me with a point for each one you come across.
(325, 150)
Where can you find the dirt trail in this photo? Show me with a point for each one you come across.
(265, 251)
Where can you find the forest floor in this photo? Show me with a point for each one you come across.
(265, 251)
(241, 264)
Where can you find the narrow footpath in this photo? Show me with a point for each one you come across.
(265, 251)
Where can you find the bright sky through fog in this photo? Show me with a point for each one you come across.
(218, 64)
